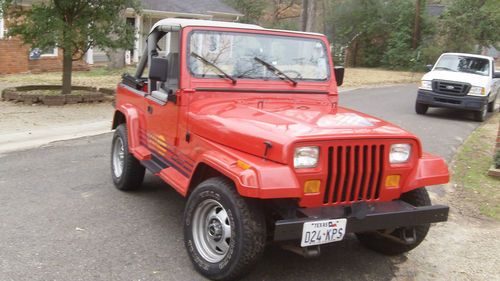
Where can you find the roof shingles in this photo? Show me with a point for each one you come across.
(189, 6)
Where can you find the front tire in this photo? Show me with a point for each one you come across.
(224, 233)
(126, 171)
(389, 242)
(480, 116)
(421, 108)
(493, 104)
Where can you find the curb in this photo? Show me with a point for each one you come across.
(36, 138)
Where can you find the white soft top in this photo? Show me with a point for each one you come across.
(469, 55)
(181, 23)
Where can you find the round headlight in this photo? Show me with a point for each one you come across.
(399, 153)
(306, 157)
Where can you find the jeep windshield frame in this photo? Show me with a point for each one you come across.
(300, 58)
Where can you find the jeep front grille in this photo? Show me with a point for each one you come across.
(354, 173)
(450, 88)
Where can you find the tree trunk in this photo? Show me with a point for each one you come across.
(354, 55)
(303, 15)
(320, 17)
(416, 31)
(67, 71)
(312, 15)
(116, 59)
(308, 14)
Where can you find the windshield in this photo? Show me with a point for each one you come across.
(257, 56)
(464, 64)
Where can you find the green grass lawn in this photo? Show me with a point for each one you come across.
(472, 162)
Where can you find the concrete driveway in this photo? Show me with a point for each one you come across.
(62, 219)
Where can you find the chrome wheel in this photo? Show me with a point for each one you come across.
(211, 230)
(118, 157)
(126, 171)
(224, 233)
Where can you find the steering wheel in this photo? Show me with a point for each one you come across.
(295, 74)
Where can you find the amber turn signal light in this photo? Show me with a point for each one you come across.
(312, 186)
(392, 181)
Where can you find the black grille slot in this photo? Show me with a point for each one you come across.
(338, 173)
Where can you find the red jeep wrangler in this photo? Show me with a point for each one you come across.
(244, 122)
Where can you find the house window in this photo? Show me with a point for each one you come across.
(37, 53)
(50, 52)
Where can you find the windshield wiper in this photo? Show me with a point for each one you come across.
(207, 62)
(275, 70)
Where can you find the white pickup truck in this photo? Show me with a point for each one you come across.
(462, 81)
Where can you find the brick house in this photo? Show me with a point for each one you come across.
(15, 57)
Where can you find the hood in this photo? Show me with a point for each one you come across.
(473, 79)
(246, 124)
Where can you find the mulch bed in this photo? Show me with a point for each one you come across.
(51, 95)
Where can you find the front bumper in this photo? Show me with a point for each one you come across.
(362, 217)
(434, 99)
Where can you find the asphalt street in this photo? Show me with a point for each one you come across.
(62, 219)
(441, 130)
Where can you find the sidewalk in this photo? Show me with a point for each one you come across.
(26, 126)
(30, 139)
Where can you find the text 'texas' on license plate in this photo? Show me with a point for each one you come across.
(322, 232)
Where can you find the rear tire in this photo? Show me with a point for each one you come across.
(480, 116)
(224, 233)
(126, 171)
(380, 242)
(421, 108)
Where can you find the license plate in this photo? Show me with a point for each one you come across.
(322, 232)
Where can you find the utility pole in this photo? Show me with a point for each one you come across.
(416, 30)
(307, 15)
(313, 16)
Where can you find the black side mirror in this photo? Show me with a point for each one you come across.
(429, 66)
(339, 75)
(158, 70)
(496, 75)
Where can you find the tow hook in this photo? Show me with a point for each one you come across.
(409, 235)
(307, 252)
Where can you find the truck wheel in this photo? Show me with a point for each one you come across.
(421, 108)
(480, 116)
(400, 240)
(126, 171)
(224, 233)
(493, 104)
